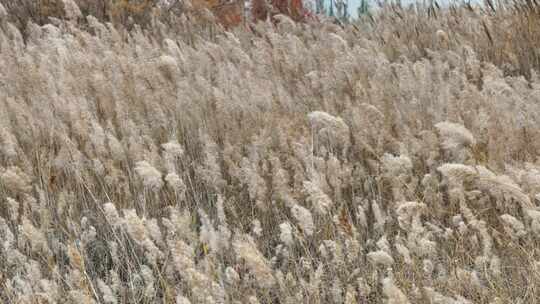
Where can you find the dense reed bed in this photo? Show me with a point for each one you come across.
(391, 160)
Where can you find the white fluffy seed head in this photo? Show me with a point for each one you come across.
(396, 165)
(513, 226)
(134, 226)
(13, 208)
(321, 202)
(286, 235)
(180, 299)
(257, 227)
(71, 9)
(320, 119)
(231, 276)
(392, 292)
(304, 219)
(404, 252)
(151, 177)
(380, 258)
(111, 214)
(16, 180)
(441, 35)
(106, 292)
(246, 250)
(454, 135)
(173, 148)
(323, 122)
(175, 183)
(457, 172)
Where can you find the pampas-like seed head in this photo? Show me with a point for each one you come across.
(151, 177)
(246, 250)
(304, 219)
(71, 9)
(455, 135)
(380, 258)
(286, 235)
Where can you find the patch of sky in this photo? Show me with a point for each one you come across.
(353, 7)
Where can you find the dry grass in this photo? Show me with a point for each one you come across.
(120, 13)
(394, 160)
(506, 34)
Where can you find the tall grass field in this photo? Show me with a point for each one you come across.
(393, 159)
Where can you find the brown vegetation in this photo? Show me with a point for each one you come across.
(392, 160)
